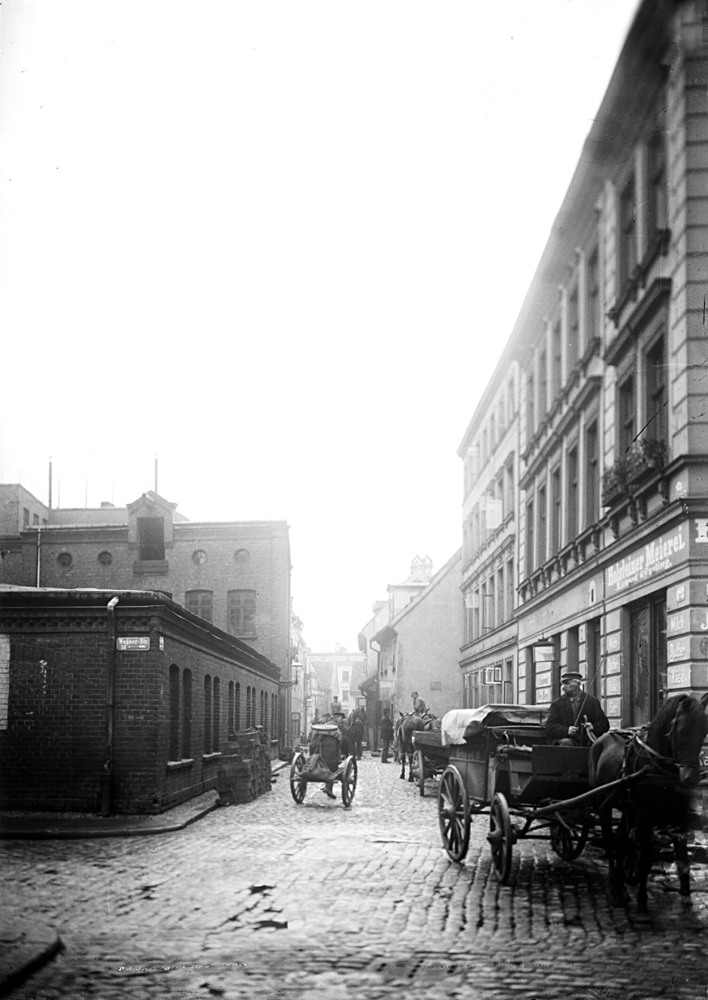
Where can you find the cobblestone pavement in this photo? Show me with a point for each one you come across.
(276, 901)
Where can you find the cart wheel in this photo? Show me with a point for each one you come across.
(453, 814)
(501, 837)
(421, 771)
(349, 780)
(568, 840)
(298, 787)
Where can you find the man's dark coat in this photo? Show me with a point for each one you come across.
(562, 715)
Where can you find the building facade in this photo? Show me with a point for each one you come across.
(120, 701)
(612, 505)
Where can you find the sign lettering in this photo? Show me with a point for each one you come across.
(656, 557)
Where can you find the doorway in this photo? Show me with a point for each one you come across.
(647, 659)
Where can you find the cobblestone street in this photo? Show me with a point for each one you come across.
(275, 900)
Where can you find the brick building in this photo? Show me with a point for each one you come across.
(119, 700)
(611, 512)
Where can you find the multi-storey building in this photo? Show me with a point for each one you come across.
(490, 450)
(612, 539)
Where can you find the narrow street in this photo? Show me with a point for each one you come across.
(275, 900)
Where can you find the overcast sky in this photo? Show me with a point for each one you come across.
(280, 245)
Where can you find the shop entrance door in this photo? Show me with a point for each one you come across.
(647, 680)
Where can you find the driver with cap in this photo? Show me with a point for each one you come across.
(576, 715)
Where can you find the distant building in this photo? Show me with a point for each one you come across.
(338, 673)
(417, 641)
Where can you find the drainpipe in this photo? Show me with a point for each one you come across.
(107, 772)
(39, 553)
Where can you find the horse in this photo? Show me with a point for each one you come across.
(407, 725)
(354, 732)
(667, 750)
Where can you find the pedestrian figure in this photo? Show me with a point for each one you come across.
(418, 704)
(336, 706)
(576, 718)
(386, 735)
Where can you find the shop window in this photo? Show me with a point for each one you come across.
(200, 602)
(241, 611)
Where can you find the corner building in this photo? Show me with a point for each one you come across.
(612, 506)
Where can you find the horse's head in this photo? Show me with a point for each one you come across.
(679, 731)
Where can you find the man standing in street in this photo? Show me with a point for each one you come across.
(576, 714)
(336, 707)
(386, 735)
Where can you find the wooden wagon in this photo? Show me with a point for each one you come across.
(431, 757)
(324, 763)
(499, 763)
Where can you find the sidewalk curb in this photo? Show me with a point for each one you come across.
(56, 828)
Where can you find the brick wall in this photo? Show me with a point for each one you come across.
(54, 747)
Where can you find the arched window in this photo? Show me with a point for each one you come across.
(265, 712)
(173, 751)
(248, 707)
(187, 714)
(216, 730)
(237, 708)
(207, 714)
(231, 710)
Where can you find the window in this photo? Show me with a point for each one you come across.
(530, 405)
(573, 338)
(509, 487)
(557, 360)
(65, 560)
(242, 612)
(187, 714)
(656, 422)
(173, 750)
(572, 486)
(35, 519)
(573, 649)
(592, 474)
(242, 557)
(237, 707)
(657, 202)
(345, 677)
(500, 596)
(509, 577)
(105, 558)
(627, 234)
(200, 602)
(151, 539)
(530, 540)
(542, 526)
(207, 714)
(542, 385)
(626, 412)
(25, 517)
(593, 304)
(199, 557)
(556, 500)
(248, 707)
(265, 711)
(491, 614)
(253, 706)
(216, 727)
(231, 710)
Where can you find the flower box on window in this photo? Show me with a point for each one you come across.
(643, 457)
(614, 484)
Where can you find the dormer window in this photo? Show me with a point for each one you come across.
(151, 538)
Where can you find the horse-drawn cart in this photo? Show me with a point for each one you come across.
(431, 757)
(325, 764)
(499, 764)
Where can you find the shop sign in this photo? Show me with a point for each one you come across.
(133, 642)
(657, 556)
(679, 676)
